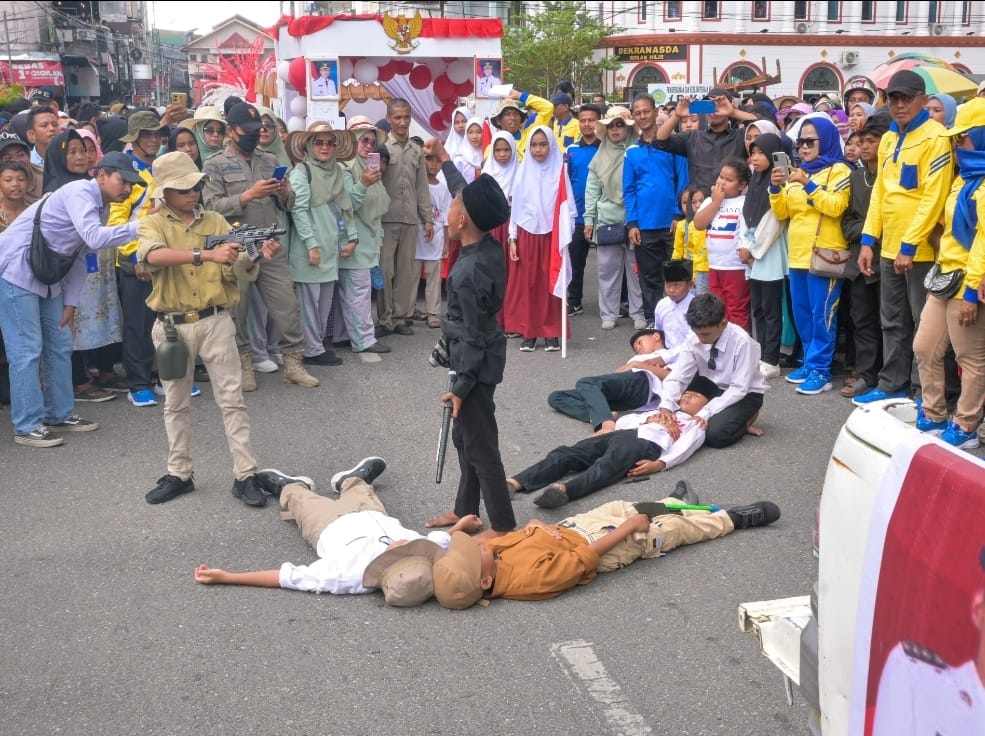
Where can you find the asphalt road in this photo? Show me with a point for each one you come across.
(105, 632)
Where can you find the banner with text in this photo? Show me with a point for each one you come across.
(33, 73)
(663, 93)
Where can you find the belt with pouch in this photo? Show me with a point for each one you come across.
(184, 318)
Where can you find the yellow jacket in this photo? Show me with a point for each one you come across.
(822, 200)
(952, 254)
(545, 115)
(915, 172)
(134, 208)
(696, 245)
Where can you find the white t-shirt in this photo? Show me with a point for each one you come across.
(431, 250)
(723, 234)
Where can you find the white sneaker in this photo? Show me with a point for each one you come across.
(608, 324)
(265, 366)
(639, 324)
(769, 371)
(278, 358)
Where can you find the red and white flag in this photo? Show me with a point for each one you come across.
(561, 233)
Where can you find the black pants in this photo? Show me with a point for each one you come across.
(595, 398)
(578, 252)
(599, 461)
(476, 438)
(766, 298)
(656, 246)
(729, 425)
(138, 319)
(100, 358)
(868, 333)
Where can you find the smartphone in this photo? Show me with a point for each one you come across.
(280, 172)
(373, 161)
(701, 107)
(782, 161)
(179, 98)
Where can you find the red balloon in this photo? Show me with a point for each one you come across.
(420, 77)
(448, 109)
(297, 75)
(464, 89)
(437, 122)
(386, 72)
(402, 67)
(444, 88)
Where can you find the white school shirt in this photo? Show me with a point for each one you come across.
(671, 317)
(431, 250)
(345, 549)
(656, 385)
(673, 452)
(736, 370)
(723, 234)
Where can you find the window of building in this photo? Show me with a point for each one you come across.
(834, 11)
(901, 6)
(801, 10)
(933, 12)
(672, 10)
(966, 13)
(868, 11)
(761, 10)
(818, 80)
(645, 76)
(641, 12)
(711, 10)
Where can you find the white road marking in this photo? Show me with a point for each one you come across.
(578, 660)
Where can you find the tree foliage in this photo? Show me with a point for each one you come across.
(556, 44)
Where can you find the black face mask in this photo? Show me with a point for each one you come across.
(248, 142)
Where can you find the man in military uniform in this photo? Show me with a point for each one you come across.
(324, 85)
(241, 186)
(921, 695)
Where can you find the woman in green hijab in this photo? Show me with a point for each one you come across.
(270, 140)
(209, 130)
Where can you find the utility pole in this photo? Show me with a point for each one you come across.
(10, 59)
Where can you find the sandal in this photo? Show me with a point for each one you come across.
(856, 388)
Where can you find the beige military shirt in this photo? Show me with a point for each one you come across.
(229, 175)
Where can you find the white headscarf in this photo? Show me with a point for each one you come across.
(468, 158)
(535, 188)
(455, 141)
(504, 174)
(794, 131)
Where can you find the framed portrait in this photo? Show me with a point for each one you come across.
(488, 73)
(324, 79)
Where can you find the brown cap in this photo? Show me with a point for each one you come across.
(457, 575)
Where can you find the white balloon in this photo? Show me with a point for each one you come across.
(295, 123)
(345, 69)
(365, 71)
(437, 67)
(299, 106)
(284, 69)
(460, 71)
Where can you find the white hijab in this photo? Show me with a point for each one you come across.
(535, 188)
(794, 131)
(469, 158)
(455, 141)
(504, 174)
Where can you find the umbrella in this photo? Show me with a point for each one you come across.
(937, 79)
(923, 59)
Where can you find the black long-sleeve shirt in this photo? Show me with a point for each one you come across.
(853, 220)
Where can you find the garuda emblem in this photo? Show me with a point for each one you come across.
(403, 31)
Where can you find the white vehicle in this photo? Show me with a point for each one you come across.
(900, 542)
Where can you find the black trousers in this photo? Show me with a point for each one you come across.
(138, 319)
(476, 438)
(867, 334)
(598, 461)
(578, 252)
(729, 425)
(766, 298)
(656, 246)
(595, 398)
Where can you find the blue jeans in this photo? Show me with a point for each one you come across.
(815, 310)
(33, 339)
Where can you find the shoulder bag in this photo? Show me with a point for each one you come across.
(611, 235)
(828, 263)
(943, 284)
(48, 266)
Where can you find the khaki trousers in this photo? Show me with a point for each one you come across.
(214, 340)
(938, 329)
(400, 277)
(312, 513)
(665, 532)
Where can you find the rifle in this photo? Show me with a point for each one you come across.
(443, 434)
(250, 237)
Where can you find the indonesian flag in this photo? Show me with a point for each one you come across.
(561, 233)
(487, 135)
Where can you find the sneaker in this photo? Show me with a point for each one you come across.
(552, 498)
(278, 358)
(528, 345)
(326, 358)
(552, 345)
(159, 390)
(369, 469)
(760, 513)
(878, 395)
(639, 324)
(575, 309)
(72, 423)
(608, 324)
(94, 395)
(815, 384)
(513, 335)
(929, 426)
(798, 376)
(40, 437)
(273, 481)
(114, 383)
(265, 366)
(684, 493)
(143, 397)
(769, 371)
(168, 487)
(248, 492)
(957, 437)
(403, 330)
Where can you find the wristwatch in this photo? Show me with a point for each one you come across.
(196, 256)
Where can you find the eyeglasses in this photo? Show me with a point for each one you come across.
(214, 131)
(368, 140)
(197, 188)
(265, 126)
(898, 98)
(806, 142)
(713, 358)
(617, 124)
(324, 142)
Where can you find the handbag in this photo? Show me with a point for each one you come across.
(48, 266)
(829, 263)
(943, 284)
(611, 235)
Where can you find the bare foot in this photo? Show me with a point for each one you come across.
(514, 484)
(754, 430)
(490, 534)
(604, 428)
(469, 524)
(440, 522)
